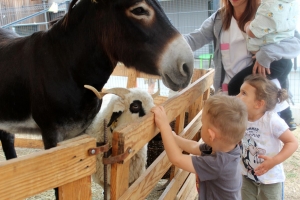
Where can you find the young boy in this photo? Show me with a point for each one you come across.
(224, 121)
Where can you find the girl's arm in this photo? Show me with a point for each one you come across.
(289, 147)
(172, 149)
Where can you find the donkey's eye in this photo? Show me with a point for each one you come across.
(140, 11)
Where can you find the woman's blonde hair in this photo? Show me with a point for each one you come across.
(228, 114)
(266, 90)
(227, 12)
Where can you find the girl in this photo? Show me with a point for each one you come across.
(261, 148)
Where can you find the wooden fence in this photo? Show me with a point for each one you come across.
(60, 166)
(67, 166)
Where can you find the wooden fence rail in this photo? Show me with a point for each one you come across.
(67, 166)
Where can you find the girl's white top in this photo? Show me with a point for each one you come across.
(262, 138)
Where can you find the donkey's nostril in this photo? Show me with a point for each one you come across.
(185, 70)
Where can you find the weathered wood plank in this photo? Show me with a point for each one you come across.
(77, 190)
(171, 191)
(119, 179)
(179, 125)
(192, 194)
(32, 174)
(28, 143)
(132, 78)
(142, 187)
(119, 173)
(121, 70)
(188, 187)
(159, 100)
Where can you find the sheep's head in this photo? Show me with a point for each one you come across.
(137, 103)
(127, 106)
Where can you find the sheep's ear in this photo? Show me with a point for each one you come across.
(114, 117)
(119, 105)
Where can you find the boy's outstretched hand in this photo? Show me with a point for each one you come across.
(160, 116)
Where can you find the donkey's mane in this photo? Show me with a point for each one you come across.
(67, 16)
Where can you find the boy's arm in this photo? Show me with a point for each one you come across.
(189, 146)
(173, 150)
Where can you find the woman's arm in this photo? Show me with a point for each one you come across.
(203, 35)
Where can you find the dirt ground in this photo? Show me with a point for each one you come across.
(291, 185)
(292, 173)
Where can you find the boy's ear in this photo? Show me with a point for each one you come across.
(212, 134)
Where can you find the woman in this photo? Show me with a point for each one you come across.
(225, 28)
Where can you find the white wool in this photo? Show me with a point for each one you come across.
(113, 103)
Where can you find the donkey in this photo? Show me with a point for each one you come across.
(43, 75)
(41, 86)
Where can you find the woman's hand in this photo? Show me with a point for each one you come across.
(257, 68)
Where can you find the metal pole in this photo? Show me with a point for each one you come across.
(45, 14)
(67, 5)
(30, 16)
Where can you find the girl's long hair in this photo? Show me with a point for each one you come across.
(227, 12)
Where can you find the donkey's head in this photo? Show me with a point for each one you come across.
(139, 34)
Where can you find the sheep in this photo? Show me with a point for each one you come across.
(129, 106)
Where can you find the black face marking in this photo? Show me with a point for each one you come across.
(114, 118)
(136, 107)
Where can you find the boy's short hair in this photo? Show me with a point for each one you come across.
(229, 115)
